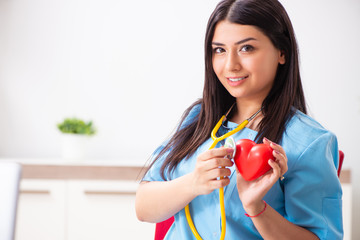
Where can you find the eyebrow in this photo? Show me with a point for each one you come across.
(237, 43)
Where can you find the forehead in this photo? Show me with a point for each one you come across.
(228, 32)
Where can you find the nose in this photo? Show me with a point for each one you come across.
(233, 62)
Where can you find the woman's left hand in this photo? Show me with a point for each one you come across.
(251, 193)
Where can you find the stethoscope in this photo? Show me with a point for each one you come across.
(221, 190)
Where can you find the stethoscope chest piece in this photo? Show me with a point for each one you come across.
(230, 143)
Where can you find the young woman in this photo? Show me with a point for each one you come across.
(251, 62)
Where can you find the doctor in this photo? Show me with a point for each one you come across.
(251, 60)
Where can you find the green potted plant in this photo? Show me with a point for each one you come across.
(76, 133)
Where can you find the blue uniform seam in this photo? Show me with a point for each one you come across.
(309, 147)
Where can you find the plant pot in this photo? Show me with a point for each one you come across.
(74, 146)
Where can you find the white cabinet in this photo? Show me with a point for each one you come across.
(41, 210)
(94, 210)
(104, 210)
(79, 210)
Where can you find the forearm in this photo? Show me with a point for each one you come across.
(157, 201)
(271, 225)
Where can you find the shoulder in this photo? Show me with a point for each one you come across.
(190, 115)
(304, 134)
(304, 130)
(195, 110)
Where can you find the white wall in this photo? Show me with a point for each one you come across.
(127, 65)
(134, 66)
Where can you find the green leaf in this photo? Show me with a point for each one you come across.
(76, 126)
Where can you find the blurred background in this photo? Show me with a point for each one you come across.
(133, 67)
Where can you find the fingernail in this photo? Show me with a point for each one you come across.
(230, 150)
(267, 140)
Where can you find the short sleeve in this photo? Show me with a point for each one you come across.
(191, 117)
(154, 172)
(313, 195)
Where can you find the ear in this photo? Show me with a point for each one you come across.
(281, 57)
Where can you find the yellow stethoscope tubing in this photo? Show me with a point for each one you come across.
(221, 190)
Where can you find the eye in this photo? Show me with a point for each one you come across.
(218, 50)
(247, 48)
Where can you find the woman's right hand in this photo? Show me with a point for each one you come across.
(211, 170)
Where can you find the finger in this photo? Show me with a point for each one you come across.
(215, 153)
(266, 141)
(273, 145)
(281, 160)
(276, 169)
(277, 147)
(219, 172)
(216, 184)
(220, 162)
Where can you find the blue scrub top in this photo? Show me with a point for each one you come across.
(309, 196)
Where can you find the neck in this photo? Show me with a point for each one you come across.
(245, 109)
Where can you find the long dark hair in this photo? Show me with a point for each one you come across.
(270, 17)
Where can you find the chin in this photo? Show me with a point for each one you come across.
(237, 94)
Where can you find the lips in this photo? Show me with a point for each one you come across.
(235, 81)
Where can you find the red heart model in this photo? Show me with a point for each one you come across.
(251, 159)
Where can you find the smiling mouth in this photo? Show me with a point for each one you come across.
(236, 79)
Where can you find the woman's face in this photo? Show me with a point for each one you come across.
(244, 60)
